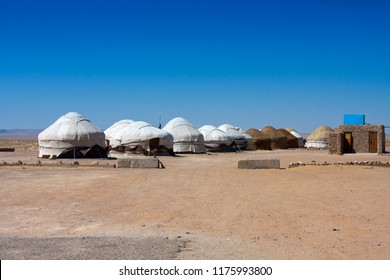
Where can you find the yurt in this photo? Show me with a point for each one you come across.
(278, 140)
(113, 129)
(239, 139)
(186, 138)
(319, 139)
(292, 141)
(141, 137)
(260, 141)
(301, 141)
(72, 136)
(214, 138)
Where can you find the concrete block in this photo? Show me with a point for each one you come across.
(139, 163)
(123, 163)
(144, 163)
(259, 164)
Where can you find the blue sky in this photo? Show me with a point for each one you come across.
(296, 64)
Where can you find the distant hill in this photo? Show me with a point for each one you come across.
(20, 134)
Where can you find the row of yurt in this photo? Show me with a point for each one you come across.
(74, 136)
(225, 138)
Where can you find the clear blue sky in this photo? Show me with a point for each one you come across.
(254, 63)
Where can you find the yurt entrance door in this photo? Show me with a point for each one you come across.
(348, 143)
(373, 142)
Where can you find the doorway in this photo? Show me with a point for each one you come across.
(348, 143)
(373, 146)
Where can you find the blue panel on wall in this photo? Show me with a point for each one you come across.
(354, 119)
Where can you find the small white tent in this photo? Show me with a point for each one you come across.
(215, 138)
(186, 138)
(143, 135)
(239, 138)
(72, 135)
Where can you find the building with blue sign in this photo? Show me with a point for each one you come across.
(355, 136)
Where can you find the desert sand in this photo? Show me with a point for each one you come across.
(198, 207)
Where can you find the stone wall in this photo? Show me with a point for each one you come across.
(360, 138)
(333, 143)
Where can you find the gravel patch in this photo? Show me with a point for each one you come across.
(90, 248)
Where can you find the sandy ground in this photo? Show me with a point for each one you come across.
(198, 207)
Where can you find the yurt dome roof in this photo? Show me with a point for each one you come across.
(113, 129)
(216, 135)
(71, 127)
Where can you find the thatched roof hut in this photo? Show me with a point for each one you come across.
(292, 141)
(319, 138)
(278, 140)
(260, 141)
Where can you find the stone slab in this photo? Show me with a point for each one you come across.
(259, 164)
(139, 163)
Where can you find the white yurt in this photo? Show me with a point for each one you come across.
(215, 138)
(238, 138)
(319, 139)
(72, 136)
(141, 135)
(186, 138)
(116, 127)
(301, 142)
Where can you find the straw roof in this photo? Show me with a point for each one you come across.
(260, 140)
(257, 134)
(278, 140)
(320, 134)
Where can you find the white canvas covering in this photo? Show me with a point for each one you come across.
(317, 144)
(68, 132)
(239, 138)
(112, 130)
(186, 138)
(214, 137)
(139, 134)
